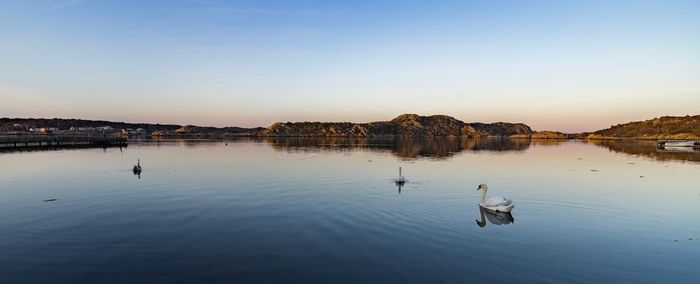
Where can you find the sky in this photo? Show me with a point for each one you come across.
(555, 65)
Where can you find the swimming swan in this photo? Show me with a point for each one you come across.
(400, 180)
(494, 203)
(137, 167)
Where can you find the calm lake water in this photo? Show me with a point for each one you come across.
(323, 211)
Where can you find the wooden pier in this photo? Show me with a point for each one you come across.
(38, 142)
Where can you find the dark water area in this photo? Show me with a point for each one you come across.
(298, 210)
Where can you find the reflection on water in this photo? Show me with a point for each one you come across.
(406, 148)
(547, 142)
(494, 217)
(442, 148)
(433, 148)
(399, 186)
(672, 149)
(648, 148)
(326, 211)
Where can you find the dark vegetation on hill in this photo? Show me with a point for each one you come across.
(405, 125)
(665, 127)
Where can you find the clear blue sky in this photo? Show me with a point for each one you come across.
(560, 65)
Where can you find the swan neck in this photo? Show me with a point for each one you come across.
(483, 196)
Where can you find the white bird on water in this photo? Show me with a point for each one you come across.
(137, 167)
(400, 180)
(494, 203)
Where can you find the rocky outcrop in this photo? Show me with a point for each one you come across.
(501, 129)
(405, 125)
(435, 125)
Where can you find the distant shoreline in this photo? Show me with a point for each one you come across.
(207, 136)
(405, 125)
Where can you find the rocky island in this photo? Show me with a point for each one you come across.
(405, 125)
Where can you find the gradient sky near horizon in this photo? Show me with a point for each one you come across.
(555, 65)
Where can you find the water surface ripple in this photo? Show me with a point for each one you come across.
(324, 211)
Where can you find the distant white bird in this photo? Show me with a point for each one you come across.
(400, 180)
(137, 167)
(494, 203)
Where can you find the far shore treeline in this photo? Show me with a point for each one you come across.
(405, 125)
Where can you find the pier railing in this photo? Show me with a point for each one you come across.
(9, 143)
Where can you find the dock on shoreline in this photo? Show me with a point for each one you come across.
(37, 142)
(679, 143)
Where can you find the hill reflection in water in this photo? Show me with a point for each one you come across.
(297, 210)
(647, 148)
(404, 148)
(437, 148)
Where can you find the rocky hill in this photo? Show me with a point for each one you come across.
(665, 127)
(405, 125)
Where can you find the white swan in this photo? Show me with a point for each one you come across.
(137, 167)
(494, 203)
(400, 180)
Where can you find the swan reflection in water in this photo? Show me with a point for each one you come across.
(399, 186)
(494, 217)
